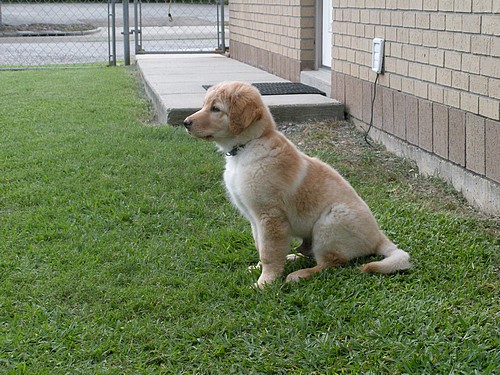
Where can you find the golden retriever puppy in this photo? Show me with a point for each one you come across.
(286, 194)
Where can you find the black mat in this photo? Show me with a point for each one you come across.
(282, 88)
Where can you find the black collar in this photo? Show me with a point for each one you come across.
(234, 151)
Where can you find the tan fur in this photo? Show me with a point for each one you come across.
(285, 193)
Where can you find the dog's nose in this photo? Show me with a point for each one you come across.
(187, 123)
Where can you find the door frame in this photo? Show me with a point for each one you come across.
(318, 63)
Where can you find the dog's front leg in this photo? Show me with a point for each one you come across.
(274, 241)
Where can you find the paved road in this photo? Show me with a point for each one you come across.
(193, 29)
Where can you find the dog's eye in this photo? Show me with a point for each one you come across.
(215, 109)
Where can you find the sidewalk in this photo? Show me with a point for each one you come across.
(174, 83)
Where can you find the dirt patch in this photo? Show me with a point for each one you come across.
(46, 28)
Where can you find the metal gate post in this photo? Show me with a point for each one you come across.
(221, 31)
(111, 32)
(138, 26)
(126, 32)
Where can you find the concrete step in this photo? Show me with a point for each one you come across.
(174, 84)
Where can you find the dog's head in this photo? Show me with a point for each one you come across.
(228, 109)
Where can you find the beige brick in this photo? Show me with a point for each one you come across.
(422, 20)
(388, 110)
(430, 38)
(461, 42)
(421, 89)
(402, 35)
(446, 5)
(425, 125)
(416, 37)
(470, 63)
(489, 108)
(479, 84)
(492, 149)
(445, 39)
(481, 6)
(429, 73)
(409, 19)
(411, 120)
(494, 87)
(399, 113)
(496, 6)
(453, 60)
(417, 4)
(430, 5)
(395, 82)
(490, 24)
(367, 88)
(490, 66)
(495, 46)
(440, 130)
(480, 44)
(471, 23)
(422, 54)
(463, 6)
(385, 18)
(402, 67)
(415, 70)
(453, 22)
(452, 98)
(438, 21)
(469, 102)
(408, 52)
(436, 57)
(475, 143)
(456, 143)
(407, 85)
(460, 80)
(443, 76)
(436, 94)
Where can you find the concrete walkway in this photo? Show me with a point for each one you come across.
(174, 83)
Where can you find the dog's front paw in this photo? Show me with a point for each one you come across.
(264, 280)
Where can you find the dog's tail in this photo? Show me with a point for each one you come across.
(394, 260)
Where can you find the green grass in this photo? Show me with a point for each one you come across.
(120, 254)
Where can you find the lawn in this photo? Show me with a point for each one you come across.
(120, 254)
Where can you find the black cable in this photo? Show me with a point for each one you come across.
(371, 113)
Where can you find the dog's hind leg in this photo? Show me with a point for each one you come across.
(304, 250)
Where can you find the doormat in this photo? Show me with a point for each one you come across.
(282, 88)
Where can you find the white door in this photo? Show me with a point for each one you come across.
(326, 47)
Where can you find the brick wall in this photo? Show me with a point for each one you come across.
(276, 36)
(441, 86)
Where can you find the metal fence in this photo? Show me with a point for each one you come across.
(46, 32)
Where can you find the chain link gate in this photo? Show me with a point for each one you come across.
(169, 26)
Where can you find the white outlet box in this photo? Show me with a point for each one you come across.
(377, 55)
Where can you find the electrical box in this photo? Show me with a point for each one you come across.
(377, 55)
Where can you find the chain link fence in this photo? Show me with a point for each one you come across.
(51, 32)
(36, 33)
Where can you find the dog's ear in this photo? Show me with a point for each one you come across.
(245, 108)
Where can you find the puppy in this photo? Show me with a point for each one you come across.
(285, 193)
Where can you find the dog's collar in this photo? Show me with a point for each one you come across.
(234, 151)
